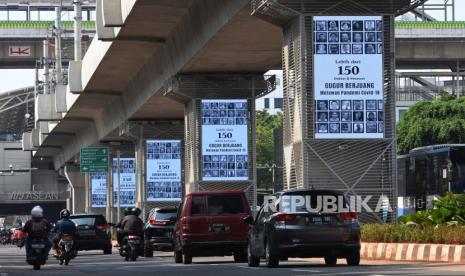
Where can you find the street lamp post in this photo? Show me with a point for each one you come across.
(271, 168)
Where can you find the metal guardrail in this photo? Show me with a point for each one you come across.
(430, 25)
(20, 24)
(43, 24)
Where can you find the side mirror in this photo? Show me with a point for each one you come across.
(248, 220)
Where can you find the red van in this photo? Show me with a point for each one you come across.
(212, 224)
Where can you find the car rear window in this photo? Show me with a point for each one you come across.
(197, 206)
(313, 196)
(225, 205)
(94, 220)
(165, 215)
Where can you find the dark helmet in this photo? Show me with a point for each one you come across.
(65, 213)
(127, 211)
(136, 211)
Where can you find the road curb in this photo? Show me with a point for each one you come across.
(450, 253)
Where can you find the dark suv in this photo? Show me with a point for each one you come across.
(304, 233)
(93, 232)
(159, 230)
(212, 224)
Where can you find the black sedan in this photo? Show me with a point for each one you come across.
(276, 235)
(93, 232)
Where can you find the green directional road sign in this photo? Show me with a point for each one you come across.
(94, 159)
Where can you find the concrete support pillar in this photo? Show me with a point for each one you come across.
(358, 157)
(77, 183)
(88, 193)
(139, 154)
(219, 150)
(79, 200)
(110, 207)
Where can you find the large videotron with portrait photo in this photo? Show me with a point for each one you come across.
(127, 181)
(348, 78)
(224, 140)
(163, 170)
(98, 182)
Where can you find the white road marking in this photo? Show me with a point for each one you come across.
(307, 270)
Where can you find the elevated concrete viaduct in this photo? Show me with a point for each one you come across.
(140, 51)
(126, 70)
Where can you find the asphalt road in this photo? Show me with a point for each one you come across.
(12, 262)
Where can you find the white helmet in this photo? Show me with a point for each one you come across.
(37, 212)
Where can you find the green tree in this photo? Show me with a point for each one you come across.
(265, 126)
(441, 121)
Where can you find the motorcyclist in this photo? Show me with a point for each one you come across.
(62, 227)
(131, 224)
(37, 228)
(119, 227)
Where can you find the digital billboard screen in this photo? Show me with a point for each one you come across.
(224, 140)
(127, 181)
(98, 182)
(348, 77)
(163, 170)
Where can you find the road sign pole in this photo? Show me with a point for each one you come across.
(118, 196)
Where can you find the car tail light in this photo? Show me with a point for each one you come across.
(158, 222)
(133, 237)
(282, 217)
(349, 217)
(103, 227)
(185, 225)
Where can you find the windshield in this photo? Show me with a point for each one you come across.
(225, 204)
(83, 221)
(165, 215)
(313, 202)
(89, 220)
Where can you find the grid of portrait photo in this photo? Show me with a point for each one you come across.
(224, 113)
(127, 165)
(99, 193)
(335, 37)
(127, 181)
(349, 116)
(164, 150)
(127, 198)
(164, 190)
(225, 166)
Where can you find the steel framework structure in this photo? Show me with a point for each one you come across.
(14, 105)
(190, 90)
(359, 167)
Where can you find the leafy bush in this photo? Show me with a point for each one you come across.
(449, 209)
(402, 233)
(441, 121)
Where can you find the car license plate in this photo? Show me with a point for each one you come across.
(218, 228)
(86, 232)
(37, 246)
(320, 220)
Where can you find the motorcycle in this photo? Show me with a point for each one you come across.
(18, 238)
(4, 240)
(66, 252)
(36, 254)
(131, 247)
